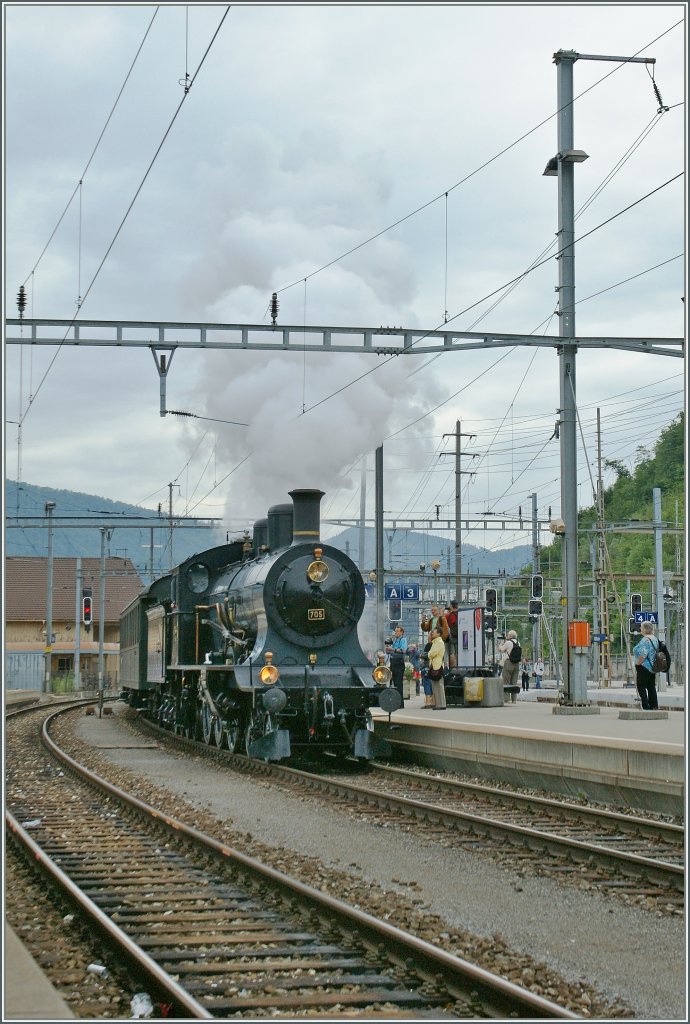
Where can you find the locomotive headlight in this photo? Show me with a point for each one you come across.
(269, 674)
(317, 571)
(381, 675)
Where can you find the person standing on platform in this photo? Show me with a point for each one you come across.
(644, 652)
(426, 682)
(439, 623)
(538, 673)
(525, 676)
(512, 652)
(396, 652)
(452, 620)
(413, 654)
(437, 655)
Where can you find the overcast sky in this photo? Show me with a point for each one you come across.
(307, 131)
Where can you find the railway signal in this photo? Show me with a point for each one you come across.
(535, 609)
(538, 587)
(490, 599)
(87, 608)
(635, 603)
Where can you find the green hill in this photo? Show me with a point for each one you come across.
(628, 502)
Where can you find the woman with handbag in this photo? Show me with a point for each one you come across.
(437, 654)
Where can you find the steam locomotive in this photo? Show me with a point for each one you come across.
(254, 645)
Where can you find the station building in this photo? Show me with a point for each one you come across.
(26, 642)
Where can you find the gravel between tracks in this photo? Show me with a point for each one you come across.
(601, 946)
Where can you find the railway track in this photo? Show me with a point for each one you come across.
(215, 932)
(621, 853)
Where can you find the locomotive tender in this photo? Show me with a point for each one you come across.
(254, 644)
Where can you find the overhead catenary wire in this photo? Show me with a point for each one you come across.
(519, 277)
(553, 242)
(303, 280)
(77, 187)
(481, 167)
(129, 208)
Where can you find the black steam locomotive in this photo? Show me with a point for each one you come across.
(253, 645)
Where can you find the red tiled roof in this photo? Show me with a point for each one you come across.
(26, 587)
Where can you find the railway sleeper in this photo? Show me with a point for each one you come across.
(273, 983)
(275, 966)
(321, 999)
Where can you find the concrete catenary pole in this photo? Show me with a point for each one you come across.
(536, 626)
(378, 512)
(574, 674)
(563, 164)
(659, 569)
(101, 620)
(77, 627)
(49, 508)
(362, 514)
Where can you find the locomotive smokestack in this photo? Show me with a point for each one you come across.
(306, 526)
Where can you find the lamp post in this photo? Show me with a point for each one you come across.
(435, 566)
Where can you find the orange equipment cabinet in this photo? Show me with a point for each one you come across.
(579, 634)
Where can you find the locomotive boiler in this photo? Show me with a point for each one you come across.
(254, 645)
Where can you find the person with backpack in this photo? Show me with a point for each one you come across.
(650, 657)
(510, 671)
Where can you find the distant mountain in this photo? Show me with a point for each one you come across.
(404, 550)
(26, 539)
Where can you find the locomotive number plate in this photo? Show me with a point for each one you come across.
(314, 614)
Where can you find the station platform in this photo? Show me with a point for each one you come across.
(27, 992)
(22, 698)
(615, 753)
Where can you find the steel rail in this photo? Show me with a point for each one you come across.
(659, 870)
(663, 871)
(504, 997)
(629, 823)
(162, 981)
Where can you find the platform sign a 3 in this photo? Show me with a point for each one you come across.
(401, 592)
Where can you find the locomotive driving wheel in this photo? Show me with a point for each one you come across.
(232, 733)
(218, 730)
(207, 725)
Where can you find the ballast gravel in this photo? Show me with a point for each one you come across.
(632, 957)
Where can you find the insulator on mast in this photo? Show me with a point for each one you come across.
(274, 307)
(21, 301)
